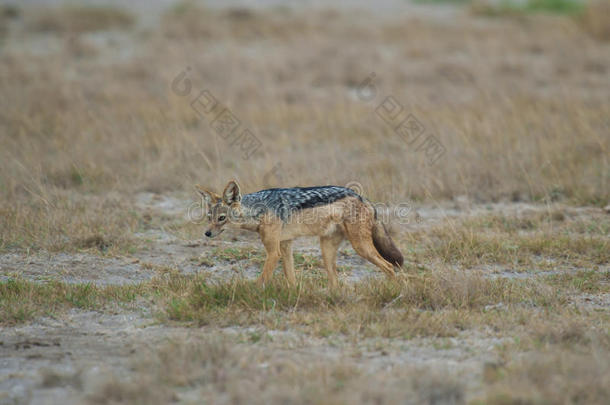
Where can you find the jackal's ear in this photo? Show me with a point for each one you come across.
(231, 193)
(209, 197)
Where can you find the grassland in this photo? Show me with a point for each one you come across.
(539, 315)
(109, 295)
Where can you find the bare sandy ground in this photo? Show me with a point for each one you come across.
(68, 360)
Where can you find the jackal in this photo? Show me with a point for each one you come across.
(280, 215)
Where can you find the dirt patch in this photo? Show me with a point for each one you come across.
(71, 358)
(72, 268)
(592, 301)
(52, 359)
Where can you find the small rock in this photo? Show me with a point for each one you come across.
(462, 202)
(499, 305)
(607, 209)
(418, 218)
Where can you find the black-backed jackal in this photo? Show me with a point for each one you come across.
(280, 215)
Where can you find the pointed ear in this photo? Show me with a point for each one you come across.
(209, 197)
(231, 193)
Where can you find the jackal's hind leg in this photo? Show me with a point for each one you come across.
(362, 242)
(288, 261)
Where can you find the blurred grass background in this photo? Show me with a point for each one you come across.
(88, 118)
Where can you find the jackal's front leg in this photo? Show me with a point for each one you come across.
(271, 241)
(273, 256)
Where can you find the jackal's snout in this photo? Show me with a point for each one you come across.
(213, 231)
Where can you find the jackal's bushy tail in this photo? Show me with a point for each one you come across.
(385, 245)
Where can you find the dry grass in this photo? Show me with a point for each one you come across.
(552, 377)
(595, 19)
(585, 281)
(221, 368)
(79, 18)
(432, 304)
(22, 300)
(435, 304)
(69, 222)
(196, 298)
(217, 369)
(569, 365)
(592, 16)
(469, 248)
(193, 21)
(72, 124)
(539, 239)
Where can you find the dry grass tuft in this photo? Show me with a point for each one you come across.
(558, 377)
(433, 304)
(521, 240)
(595, 19)
(217, 369)
(192, 21)
(221, 369)
(593, 282)
(79, 18)
(22, 300)
(68, 222)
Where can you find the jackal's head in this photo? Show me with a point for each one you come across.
(221, 210)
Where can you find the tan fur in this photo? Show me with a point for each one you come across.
(348, 218)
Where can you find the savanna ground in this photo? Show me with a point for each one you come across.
(109, 294)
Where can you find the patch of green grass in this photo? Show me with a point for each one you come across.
(203, 261)
(233, 254)
(592, 281)
(432, 304)
(439, 303)
(196, 299)
(22, 300)
(554, 6)
(443, 1)
(306, 262)
(511, 7)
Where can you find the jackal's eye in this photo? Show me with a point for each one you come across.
(222, 217)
